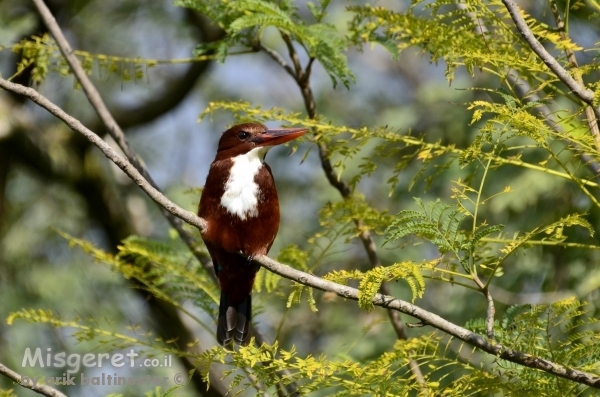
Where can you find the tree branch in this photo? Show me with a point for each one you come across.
(428, 318)
(310, 280)
(108, 151)
(117, 134)
(278, 59)
(40, 388)
(148, 185)
(584, 94)
(589, 110)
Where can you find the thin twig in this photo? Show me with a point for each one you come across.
(278, 59)
(584, 94)
(491, 310)
(385, 301)
(40, 388)
(293, 56)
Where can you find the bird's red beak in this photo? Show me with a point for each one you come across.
(278, 136)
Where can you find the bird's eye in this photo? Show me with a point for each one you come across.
(243, 135)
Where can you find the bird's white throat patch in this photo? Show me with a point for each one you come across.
(241, 191)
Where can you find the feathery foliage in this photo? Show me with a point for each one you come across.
(521, 133)
(245, 22)
(43, 55)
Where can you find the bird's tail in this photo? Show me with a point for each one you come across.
(234, 321)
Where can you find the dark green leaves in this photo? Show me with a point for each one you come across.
(245, 21)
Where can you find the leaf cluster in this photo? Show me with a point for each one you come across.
(370, 281)
(476, 35)
(246, 21)
(43, 56)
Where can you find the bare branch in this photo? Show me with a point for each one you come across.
(108, 151)
(578, 89)
(294, 55)
(491, 309)
(40, 388)
(88, 88)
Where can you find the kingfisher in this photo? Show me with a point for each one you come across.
(240, 205)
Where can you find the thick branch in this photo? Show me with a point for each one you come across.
(40, 388)
(582, 93)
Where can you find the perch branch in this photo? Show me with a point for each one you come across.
(428, 318)
(310, 280)
(115, 131)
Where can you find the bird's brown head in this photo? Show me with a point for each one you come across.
(242, 138)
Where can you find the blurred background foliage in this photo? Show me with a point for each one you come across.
(394, 82)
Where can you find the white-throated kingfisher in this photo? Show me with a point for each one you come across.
(240, 205)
